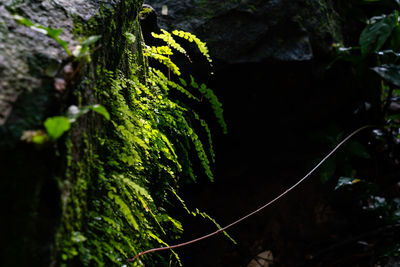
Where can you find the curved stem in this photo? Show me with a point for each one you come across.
(259, 209)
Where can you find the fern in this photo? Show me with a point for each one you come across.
(208, 132)
(215, 104)
(124, 208)
(146, 148)
(153, 53)
(174, 85)
(165, 244)
(193, 38)
(198, 145)
(198, 212)
(161, 50)
(167, 37)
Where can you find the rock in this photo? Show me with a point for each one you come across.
(25, 54)
(264, 259)
(256, 31)
(38, 79)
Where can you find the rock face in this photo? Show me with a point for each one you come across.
(25, 54)
(255, 31)
(28, 93)
(39, 79)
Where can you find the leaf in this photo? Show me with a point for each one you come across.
(191, 37)
(125, 210)
(130, 37)
(101, 110)
(389, 72)
(193, 83)
(395, 38)
(22, 20)
(183, 82)
(40, 139)
(344, 181)
(215, 103)
(91, 40)
(357, 149)
(374, 35)
(167, 37)
(74, 112)
(52, 33)
(57, 126)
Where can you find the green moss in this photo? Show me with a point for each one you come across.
(122, 174)
(322, 13)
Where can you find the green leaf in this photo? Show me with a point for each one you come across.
(344, 181)
(389, 72)
(357, 149)
(193, 83)
(130, 37)
(395, 38)
(374, 35)
(40, 139)
(101, 110)
(183, 82)
(74, 112)
(52, 33)
(22, 20)
(57, 126)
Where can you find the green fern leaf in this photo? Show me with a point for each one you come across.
(193, 38)
(215, 104)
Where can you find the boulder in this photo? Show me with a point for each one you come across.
(255, 31)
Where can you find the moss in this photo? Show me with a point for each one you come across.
(120, 173)
(322, 13)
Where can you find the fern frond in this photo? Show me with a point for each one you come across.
(161, 50)
(198, 145)
(215, 104)
(167, 37)
(202, 214)
(175, 85)
(125, 210)
(159, 240)
(208, 132)
(206, 216)
(150, 52)
(202, 46)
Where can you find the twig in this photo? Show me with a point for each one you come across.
(257, 210)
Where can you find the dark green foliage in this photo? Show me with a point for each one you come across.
(367, 174)
(215, 104)
(377, 32)
(389, 72)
